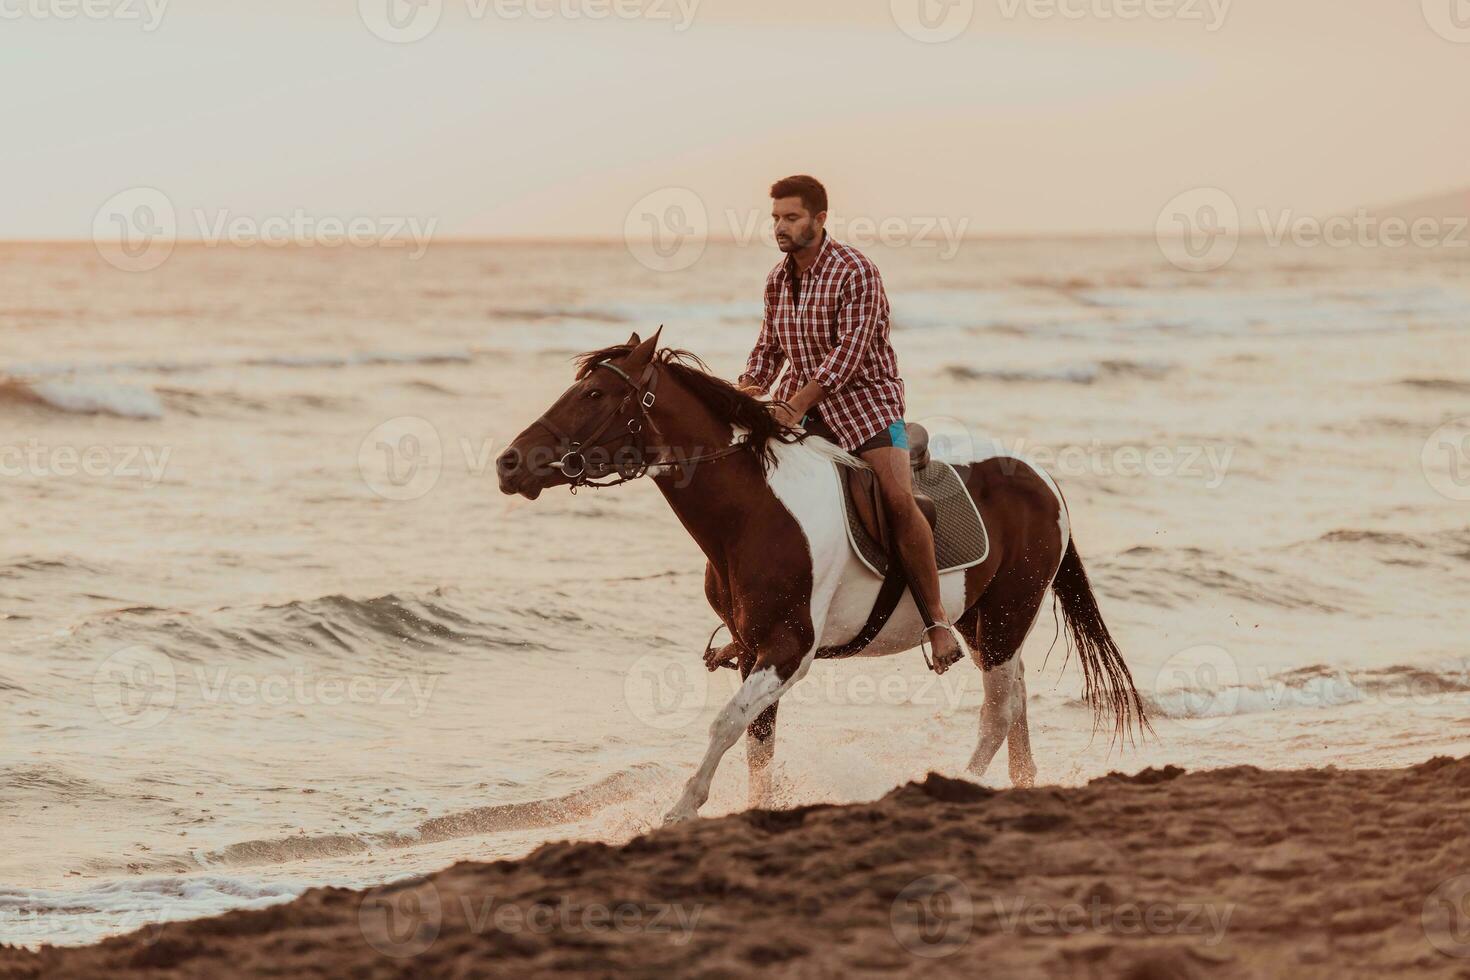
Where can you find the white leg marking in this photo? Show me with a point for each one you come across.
(997, 713)
(760, 690)
(1022, 764)
(758, 756)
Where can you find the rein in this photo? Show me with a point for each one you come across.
(640, 399)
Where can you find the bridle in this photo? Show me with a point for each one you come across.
(636, 405)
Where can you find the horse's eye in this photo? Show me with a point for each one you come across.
(594, 393)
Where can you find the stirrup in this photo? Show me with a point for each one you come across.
(964, 648)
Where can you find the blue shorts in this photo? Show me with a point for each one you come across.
(895, 436)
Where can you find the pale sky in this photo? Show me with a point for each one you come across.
(498, 125)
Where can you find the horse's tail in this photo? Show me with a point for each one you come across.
(1107, 684)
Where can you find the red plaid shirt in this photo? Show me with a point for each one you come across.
(836, 334)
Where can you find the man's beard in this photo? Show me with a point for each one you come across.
(794, 244)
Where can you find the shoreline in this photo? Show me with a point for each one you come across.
(1166, 873)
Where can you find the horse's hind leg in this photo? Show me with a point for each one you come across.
(997, 713)
(760, 749)
(1022, 765)
(1001, 627)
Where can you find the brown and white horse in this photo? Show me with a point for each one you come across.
(764, 504)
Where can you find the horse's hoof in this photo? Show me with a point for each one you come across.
(679, 815)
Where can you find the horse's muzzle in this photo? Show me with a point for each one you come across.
(515, 476)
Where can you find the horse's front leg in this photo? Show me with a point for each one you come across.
(781, 660)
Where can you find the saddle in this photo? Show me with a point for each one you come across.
(960, 539)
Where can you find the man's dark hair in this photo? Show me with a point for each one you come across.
(813, 195)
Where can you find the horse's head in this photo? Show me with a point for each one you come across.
(592, 430)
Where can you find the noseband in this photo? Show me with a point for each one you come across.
(635, 405)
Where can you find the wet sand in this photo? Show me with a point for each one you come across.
(1236, 872)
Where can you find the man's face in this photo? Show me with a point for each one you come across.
(796, 227)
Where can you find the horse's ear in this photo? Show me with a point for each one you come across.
(633, 341)
(643, 353)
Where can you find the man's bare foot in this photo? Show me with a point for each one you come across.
(946, 647)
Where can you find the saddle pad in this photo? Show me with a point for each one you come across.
(960, 539)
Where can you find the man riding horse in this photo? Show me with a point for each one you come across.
(826, 320)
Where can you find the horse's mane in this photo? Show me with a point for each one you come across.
(718, 395)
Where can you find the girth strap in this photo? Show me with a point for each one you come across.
(889, 595)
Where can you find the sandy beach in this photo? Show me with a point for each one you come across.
(1236, 872)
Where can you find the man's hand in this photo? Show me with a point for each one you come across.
(787, 415)
(754, 391)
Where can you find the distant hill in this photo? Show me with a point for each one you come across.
(1455, 204)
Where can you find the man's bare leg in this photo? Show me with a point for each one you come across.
(915, 543)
